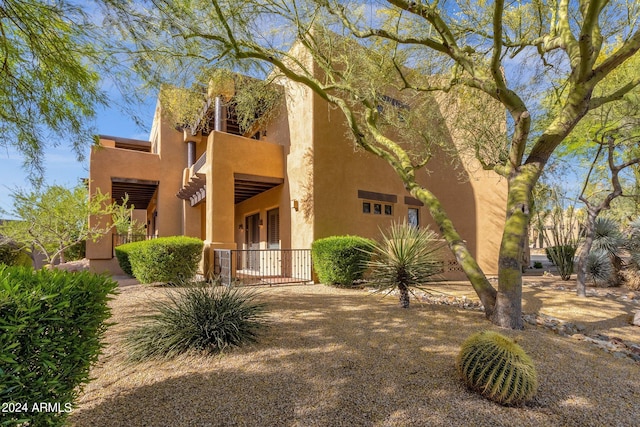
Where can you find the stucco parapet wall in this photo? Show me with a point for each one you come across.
(122, 155)
(244, 155)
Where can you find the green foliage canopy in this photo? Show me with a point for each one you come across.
(49, 90)
(54, 218)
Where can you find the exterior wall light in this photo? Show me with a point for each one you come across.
(241, 228)
(294, 205)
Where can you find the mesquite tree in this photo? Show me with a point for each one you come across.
(508, 53)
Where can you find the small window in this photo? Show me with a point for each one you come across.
(388, 210)
(366, 207)
(377, 209)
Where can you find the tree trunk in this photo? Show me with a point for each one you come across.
(508, 307)
(469, 265)
(404, 295)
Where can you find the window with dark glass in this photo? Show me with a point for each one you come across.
(273, 228)
(366, 207)
(388, 210)
(377, 208)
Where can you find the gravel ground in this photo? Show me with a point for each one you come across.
(336, 357)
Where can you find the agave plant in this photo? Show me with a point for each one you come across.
(405, 258)
(608, 239)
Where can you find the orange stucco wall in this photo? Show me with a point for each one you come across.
(166, 167)
(306, 145)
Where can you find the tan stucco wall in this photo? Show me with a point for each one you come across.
(228, 154)
(166, 167)
(474, 202)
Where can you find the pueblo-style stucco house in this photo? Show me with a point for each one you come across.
(260, 199)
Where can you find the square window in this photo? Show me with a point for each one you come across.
(377, 209)
(366, 207)
(388, 210)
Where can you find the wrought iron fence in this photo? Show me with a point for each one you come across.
(262, 266)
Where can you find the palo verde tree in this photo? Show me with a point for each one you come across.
(607, 139)
(477, 50)
(49, 88)
(54, 218)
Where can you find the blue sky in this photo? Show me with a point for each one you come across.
(61, 165)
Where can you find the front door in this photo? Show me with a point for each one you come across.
(252, 241)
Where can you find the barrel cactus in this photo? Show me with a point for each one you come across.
(498, 368)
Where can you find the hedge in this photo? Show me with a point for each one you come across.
(122, 255)
(167, 259)
(51, 326)
(340, 260)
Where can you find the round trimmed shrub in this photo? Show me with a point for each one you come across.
(341, 260)
(498, 368)
(201, 318)
(171, 260)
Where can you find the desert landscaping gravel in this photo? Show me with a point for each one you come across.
(338, 357)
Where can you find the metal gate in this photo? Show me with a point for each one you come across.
(262, 266)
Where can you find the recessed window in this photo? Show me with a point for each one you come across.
(366, 207)
(377, 209)
(388, 210)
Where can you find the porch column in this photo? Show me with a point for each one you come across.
(191, 153)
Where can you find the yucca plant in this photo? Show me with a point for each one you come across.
(498, 368)
(631, 273)
(202, 318)
(600, 268)
(405, 258)
(608, 239)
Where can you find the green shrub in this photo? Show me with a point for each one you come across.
(11, 255)
(76, 252)
(202, 318)
(406, 257)
(51, 326)
(340, 260)
(537, 264)
(497, 368)
(171, 260)
(122, 255)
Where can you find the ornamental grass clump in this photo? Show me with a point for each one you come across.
(498, 368)
(406, 257)
(201, 318)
